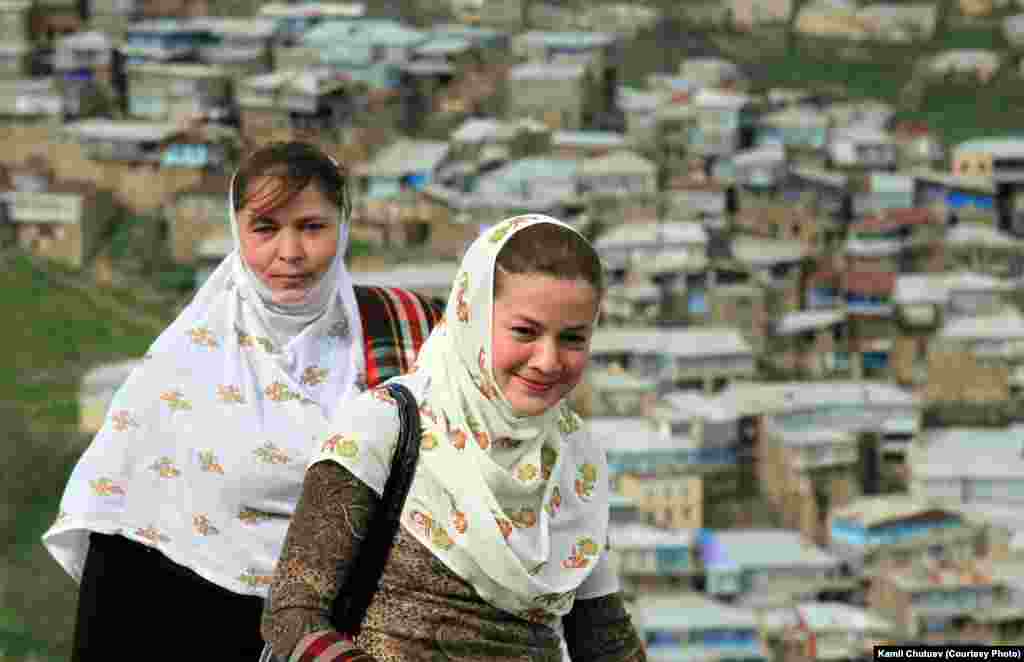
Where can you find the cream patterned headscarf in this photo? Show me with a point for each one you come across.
(517, 506)
(205, 446)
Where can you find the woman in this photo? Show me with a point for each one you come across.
(503, 535)
(177, 511)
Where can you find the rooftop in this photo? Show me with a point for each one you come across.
(764, 548)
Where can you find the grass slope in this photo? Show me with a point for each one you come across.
(55, 327)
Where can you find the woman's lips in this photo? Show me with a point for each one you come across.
(537, 387)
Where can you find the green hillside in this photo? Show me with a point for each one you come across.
(55, 326)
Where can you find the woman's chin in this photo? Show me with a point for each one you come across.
(290, 297)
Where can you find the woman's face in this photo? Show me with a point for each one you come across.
(541, 338)
(289, 247)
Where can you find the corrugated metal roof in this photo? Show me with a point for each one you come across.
(762, 251)
(377, 32)
(477, 129)
(971, 234)
(605, 139)
(566, 39)
(1006, 147)
(123, 130)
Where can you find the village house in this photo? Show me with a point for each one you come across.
(84, 71)
(144, 163)
(621, 173)
(554, 94)
(775, 265)
(916, 233)
(824, 191)
(969, 465)
(725, 122)
(14, 21)
(743, 307)
(971, 363)
(588, 144)
(802, 130)
(758, 172)
(178, 92)
(614, 392)
(649, 559)
(31, 110)
(51, 19)
(632, 303)
(803, 344)
(662, 473)
(834, 631)
(963, 64)
(706, 202)
(674, 125)
(697, 358)
(919, 145)
(878, 415)
(65, 222)
(112, 17)
(535, 183)
(197, 214)
(967, 199)
(162, 40)
(695, 627)
(872, 532)
(765, 568)
(628, 247)
(295, 102)
(291, 21)
(946, 601)
(984, 249)
(239, 47)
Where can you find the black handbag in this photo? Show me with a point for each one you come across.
(349, 608)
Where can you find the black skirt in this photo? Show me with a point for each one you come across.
(135, 602)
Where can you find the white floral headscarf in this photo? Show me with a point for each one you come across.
(205, 446)
(517, 506)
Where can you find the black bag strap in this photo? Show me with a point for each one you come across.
(354, 598)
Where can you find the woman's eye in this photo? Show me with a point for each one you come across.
(522, 331)
(263, 229)
(315, 227)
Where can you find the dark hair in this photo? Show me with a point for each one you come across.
(552, 250)
(296, 164)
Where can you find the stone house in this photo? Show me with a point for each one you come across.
(51, 19)
(554, 94)
(823, 191)
(834, 630)
(969, 465)
(869, 533)
(309, 103)
(765, 568)
(725, 122)
(622, 172)
(650, 559)
(854, 150)
(801, 130)
(239, 47)
(776, 265)
(617, 393)
(66, 222)
(984, 249)
(112, 17)
(681, 626)
(743, 307)
(946, 601)
(83, 64)
(904, 239)
(197, 214)
(292, 21)
(870, 320)
(696, 358)
(971, 360)
(805, 343)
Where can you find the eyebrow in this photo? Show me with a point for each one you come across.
(580, 327)
(255, 218)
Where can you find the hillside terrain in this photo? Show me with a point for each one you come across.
(56, 326)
